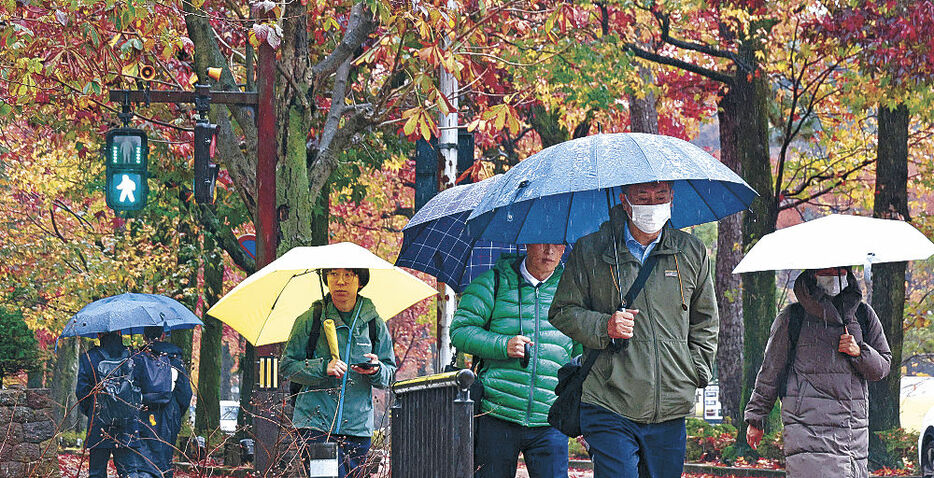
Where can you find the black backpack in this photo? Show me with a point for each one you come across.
(795, 321)
(155, 377)
(118, 399)
(294, 387)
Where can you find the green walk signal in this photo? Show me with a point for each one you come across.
(127, 154)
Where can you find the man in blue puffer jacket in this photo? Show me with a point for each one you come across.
(500, 312)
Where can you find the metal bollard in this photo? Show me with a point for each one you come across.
(322, 461)
(247, 450)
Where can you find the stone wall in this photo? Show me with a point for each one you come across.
(27, 434)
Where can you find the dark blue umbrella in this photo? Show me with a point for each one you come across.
(130, 313)
(562, 193)
(435, 241)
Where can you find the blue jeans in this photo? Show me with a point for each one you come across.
(125, 461)
(619, 447)
(499, 442)
(351, 450)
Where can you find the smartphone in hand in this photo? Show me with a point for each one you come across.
(365, 365)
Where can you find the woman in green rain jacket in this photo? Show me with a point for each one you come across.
(336, 399)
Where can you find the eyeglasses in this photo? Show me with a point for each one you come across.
(345, 276)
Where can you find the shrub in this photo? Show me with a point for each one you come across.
(576, 450)
(706, 441)
(901, 444)
(772, 447)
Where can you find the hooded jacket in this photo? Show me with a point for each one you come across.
(826, 406)
(674, 342)
(86, 392)
(513, 393)
(319, 403)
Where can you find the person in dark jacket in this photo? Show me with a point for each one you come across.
(634, 402)
(336, 401)
(160, 422)
(119, 440)
(517, 396)
(825, 408)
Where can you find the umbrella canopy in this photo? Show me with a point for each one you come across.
(264, 306)
(435, 240)
(561, 193)
(130, 313)
(835, 241)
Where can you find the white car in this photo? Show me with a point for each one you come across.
(926, 445)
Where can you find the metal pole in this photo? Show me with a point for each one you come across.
(266, 429)
(447, 304)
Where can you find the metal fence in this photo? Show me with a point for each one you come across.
(432, 426)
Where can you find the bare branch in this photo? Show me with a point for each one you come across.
(359, 27)
(665, 21)
(664, 60)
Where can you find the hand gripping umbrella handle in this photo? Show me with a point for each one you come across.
(618, 345)
(330, 332)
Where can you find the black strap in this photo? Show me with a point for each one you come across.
(315, 330)
(631, 295)
(634, 290)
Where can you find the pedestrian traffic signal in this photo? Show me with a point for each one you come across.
(205, 169)
(126, 155)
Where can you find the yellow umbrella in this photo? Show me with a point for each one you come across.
(264, 306)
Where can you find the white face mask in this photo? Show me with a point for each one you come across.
(650, 218)
(832, 285)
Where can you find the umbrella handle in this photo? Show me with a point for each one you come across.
(618, 345)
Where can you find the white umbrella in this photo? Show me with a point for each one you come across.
(264, 306)
(835, 241)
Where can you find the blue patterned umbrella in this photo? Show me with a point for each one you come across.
(130, 313)
(435, 241)
(561, 193)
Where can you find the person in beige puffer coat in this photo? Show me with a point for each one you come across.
(825, 408)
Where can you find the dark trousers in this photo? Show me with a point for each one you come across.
(124, 461)
(499, 442)
(351, 451)
(619, 447)
(158, 431)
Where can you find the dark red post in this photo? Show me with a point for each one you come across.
(265, 425)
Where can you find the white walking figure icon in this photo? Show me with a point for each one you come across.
(126, 188)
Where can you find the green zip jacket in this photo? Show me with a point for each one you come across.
(317, 405)
(513, 393)
(673, 346)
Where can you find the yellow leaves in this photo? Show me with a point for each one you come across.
(330, 23)
(419, 120)
(131, 69)
(503, 115)
(431, 54)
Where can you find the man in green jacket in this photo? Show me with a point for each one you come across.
(336, 401)
(634, 401)
(501, 313)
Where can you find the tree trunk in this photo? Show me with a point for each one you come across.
(64, 379)
(546, 123)
(207, 416)
(888, 280)
(729, 286)
(643, 113)
(752, 145)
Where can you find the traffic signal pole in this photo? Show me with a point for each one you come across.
(266, 427)
(266, 403)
